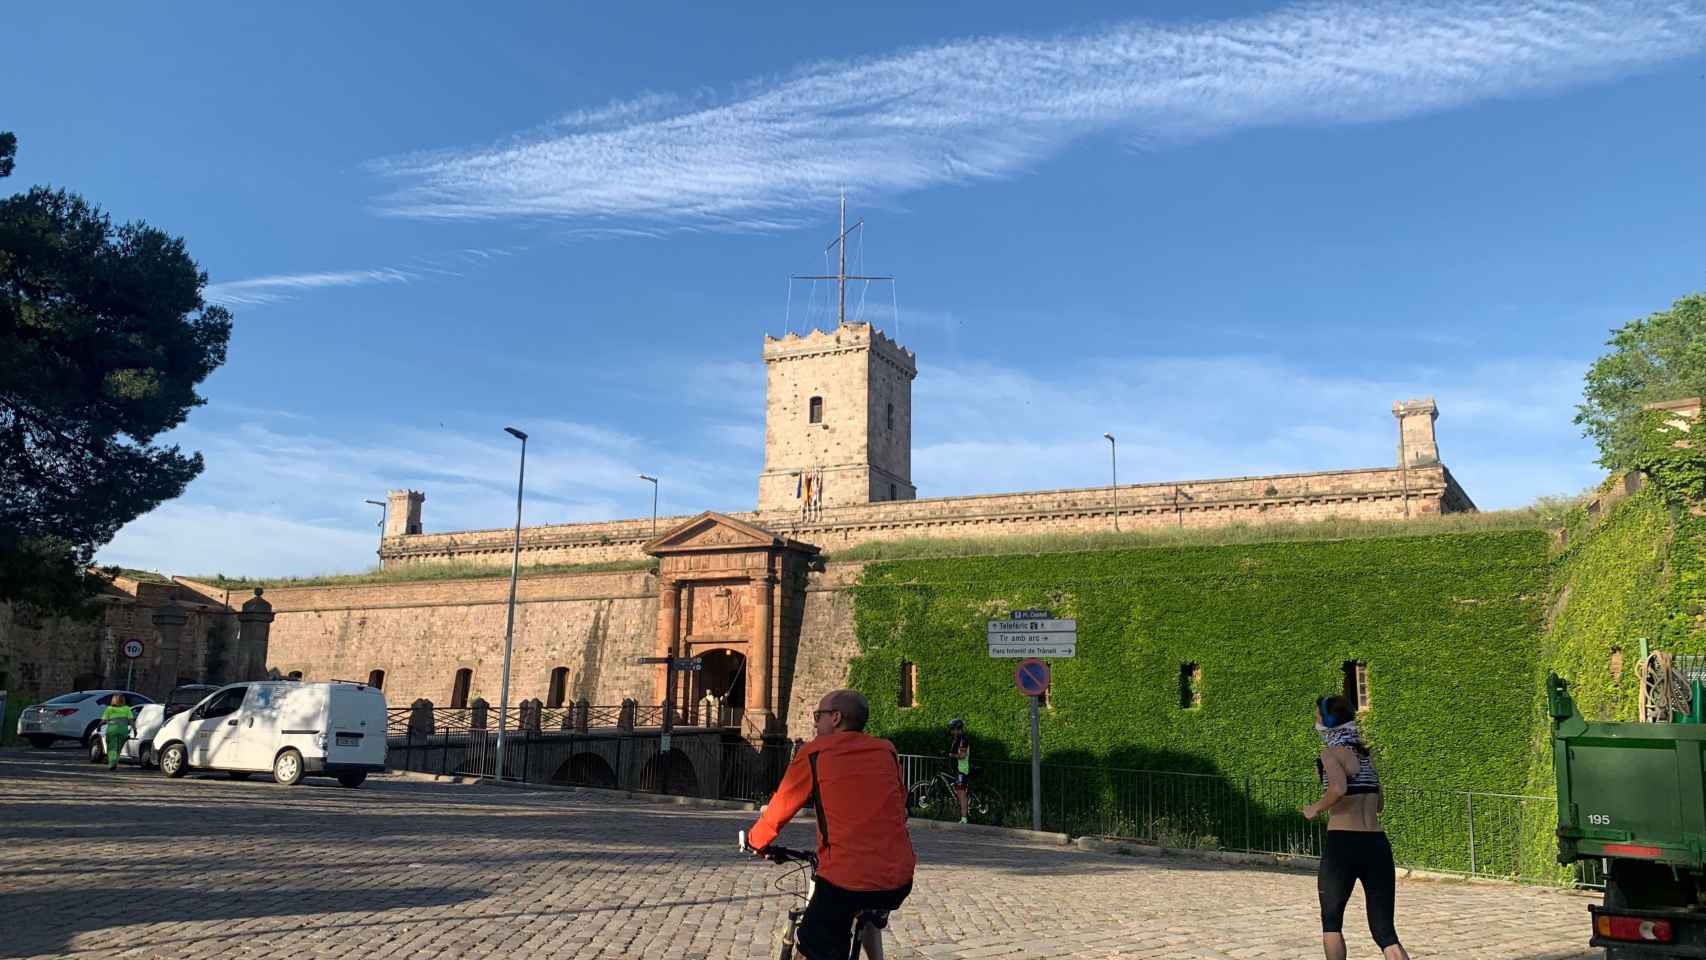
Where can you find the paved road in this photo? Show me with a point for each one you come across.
(98, 864)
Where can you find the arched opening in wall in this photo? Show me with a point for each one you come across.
(683, 779)
(292, 675)
(376, 679)
(722, 677)
(585, 770)
(459, 691)
(559, 689)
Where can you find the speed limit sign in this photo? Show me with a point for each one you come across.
(132, 649)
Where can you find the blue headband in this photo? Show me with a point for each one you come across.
(1327, 719)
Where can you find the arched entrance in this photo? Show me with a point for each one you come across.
(723, 676)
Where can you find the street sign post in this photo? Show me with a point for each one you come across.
(1032, 678)
(667, 723)
(132, 650)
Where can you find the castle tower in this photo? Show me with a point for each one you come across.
(838, 406)
(403, 512)
(1416, 444)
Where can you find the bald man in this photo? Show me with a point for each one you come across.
(865, 858)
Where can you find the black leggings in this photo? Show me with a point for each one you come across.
(1353, 855)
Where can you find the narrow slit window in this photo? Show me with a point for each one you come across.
(908, 683)
(816, 410)
(559, 687)
(459, 692)
(1190, 686)
(1356, 683)
(891, 416)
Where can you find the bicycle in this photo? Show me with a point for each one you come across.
(785, 943)
(935, 797)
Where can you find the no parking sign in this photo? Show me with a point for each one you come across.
(1031, 676)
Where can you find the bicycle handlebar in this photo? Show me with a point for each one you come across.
(778, 854)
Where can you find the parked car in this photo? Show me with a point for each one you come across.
(73, 716)
(138, 748)
(288, 727)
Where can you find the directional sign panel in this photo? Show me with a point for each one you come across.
(1033, 638)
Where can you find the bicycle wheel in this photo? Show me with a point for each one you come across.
(925, 798)
(987, 806)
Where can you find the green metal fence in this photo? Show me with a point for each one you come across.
(1495, 835)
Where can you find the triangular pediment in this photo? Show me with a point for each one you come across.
(712, 531)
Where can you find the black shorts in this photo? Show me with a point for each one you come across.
(1351, 856)
(826, 931)
(962, 779)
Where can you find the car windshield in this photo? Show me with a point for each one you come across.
(71, 698)
(189, 698)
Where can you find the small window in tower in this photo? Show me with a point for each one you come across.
(1356, 683)
(376, 679)
(1190, 686)
(908, 684)
(559, 690)
(817, 410)
(894, 494)
(891, 419)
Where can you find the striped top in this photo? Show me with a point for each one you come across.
(1366, 780)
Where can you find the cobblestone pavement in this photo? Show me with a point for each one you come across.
(131, 864)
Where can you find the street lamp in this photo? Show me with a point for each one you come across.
(1114, 458)
(383, 510)
(654, 481)
(509, 624)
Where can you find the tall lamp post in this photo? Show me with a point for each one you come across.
(509, 624)
(654, 481)
(1114, 459)
(382, 512)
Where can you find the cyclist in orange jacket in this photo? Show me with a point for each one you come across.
(865, 858)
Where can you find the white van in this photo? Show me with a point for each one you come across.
(286, 726)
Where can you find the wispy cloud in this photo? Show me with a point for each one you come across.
(991, 107)
(285, 287)
(280, 287)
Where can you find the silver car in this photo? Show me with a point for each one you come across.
(73, 716)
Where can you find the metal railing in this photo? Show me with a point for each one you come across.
(1504, 836)
(1494, 835)
(454, 720)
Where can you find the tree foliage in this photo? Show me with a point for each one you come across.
(1657, 358)
(103, 338)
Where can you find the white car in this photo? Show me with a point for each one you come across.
(138, 748)
(288, 727)
(74, 716)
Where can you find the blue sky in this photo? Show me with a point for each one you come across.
(1232, 234)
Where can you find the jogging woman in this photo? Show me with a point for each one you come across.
(1357, 848)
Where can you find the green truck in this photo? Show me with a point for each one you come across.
(1633, 796)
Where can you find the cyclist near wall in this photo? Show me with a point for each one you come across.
(1357, 848)
(959, 751)
(865, 858)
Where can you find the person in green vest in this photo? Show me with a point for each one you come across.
(118, 719)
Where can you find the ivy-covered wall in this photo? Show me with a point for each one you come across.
(1448, 625)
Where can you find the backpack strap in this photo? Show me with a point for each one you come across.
(817, 800)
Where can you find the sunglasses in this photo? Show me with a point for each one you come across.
(818, 714)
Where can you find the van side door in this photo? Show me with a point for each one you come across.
(212, 724)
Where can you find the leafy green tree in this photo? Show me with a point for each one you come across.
(103, 339)
(1657, 358)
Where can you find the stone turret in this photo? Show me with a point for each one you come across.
(1416, 444)
(838, 406)
(403, 512)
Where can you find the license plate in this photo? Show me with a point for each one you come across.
(349, 740)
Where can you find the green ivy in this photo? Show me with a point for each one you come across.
(1448, 626)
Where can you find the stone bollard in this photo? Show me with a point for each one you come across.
(531, 711)
(420, 719)
(477, 713)
(583, 715)
(625, 719)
